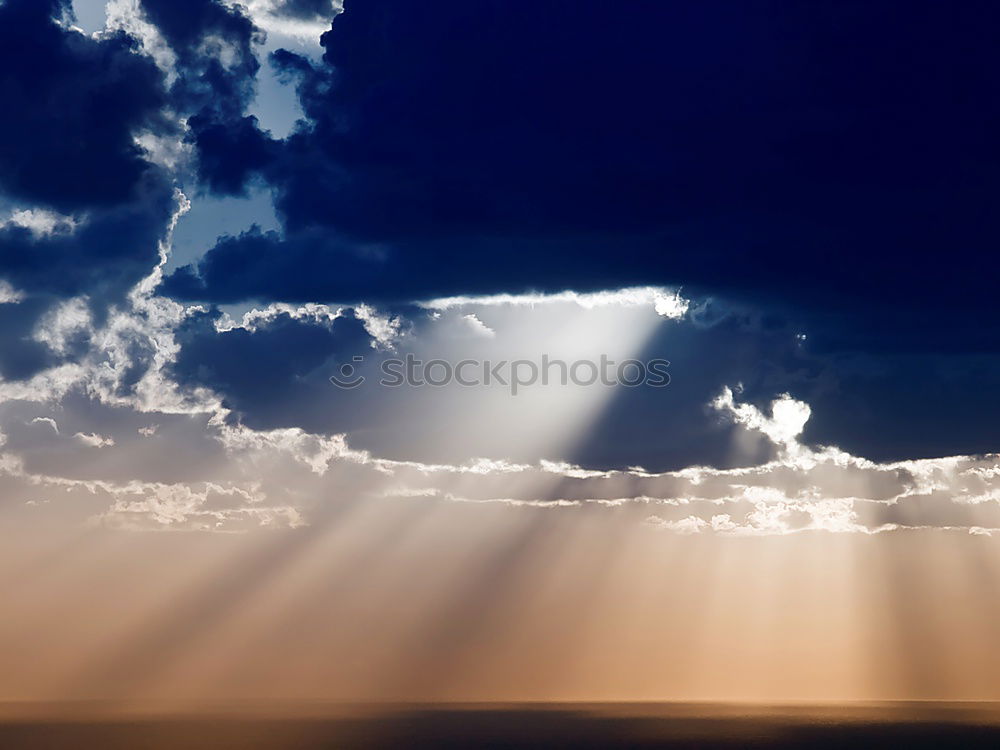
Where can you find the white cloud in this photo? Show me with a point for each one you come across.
(313, 451)
(94, 440)
(569, 470)
(127, 16)
(265, 15)
(208, 507)
(8, 294)
(40, 222)
(383, 329)
(667, 303)
(256, 317)
(47, 420)
(788, 417)
(803, 490)
(478, 327)
(68, 321)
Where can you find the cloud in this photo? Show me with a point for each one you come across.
(88, 209)
(688, 525)
(788, 417)
(215, 61)
(478, 327)
(40, 222)
(279, 477)
(303, 20)
(239, 363)
(435, 163)
(106, 252)
(8, 294)
(295, 391)
(179, 507)
(305, 9)
(94, 440)
(60, 82)
(206, 50)
(666, 302)
(47, 420)
(543, 178)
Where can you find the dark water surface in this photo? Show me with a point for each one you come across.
(578, 725)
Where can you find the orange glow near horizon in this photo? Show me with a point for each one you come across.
(396, 603)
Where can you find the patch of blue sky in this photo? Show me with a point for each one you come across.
(211, 217)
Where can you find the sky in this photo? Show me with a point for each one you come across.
(223, 224)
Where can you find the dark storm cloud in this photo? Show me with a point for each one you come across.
(100, 260)
(885, 407)
(834, 165)
(75, 105)
(674, 427)
(104, 256)
(836, 160)
(72, 105)
(273, 376)
(316, 263)
(896, 407)
(216, 63)
(277, 376)
(22, 356)
(230, 150)
(216, 80)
